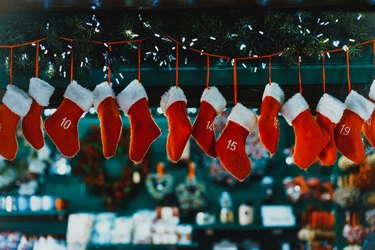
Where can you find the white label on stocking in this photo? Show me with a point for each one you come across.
(368, 121)
(276, 122)
(65, 123)
(232, 145)
(345, 130)
(210, 126)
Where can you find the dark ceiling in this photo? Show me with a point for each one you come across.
(62, 5)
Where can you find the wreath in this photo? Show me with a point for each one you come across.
(24, 174)
(255, 150)
(159, 185)
(191, 195)
(116, 178)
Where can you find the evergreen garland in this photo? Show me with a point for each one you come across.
(234, 33)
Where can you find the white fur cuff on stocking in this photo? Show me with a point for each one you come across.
(17, 100)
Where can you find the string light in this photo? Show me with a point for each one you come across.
(212, 38)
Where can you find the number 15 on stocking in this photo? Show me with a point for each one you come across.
(230, 146)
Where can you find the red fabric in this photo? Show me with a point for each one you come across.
(62, 127)
(348, 137)
(310, 139)
(144, 130)
(230, 148)
(203, 129)
(368, 130)
(110, 126)
(32, 126)
(268, 124)
(329, 154)
(8, 125)
(179, 130)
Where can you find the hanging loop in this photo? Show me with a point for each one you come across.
(176, 64)
(299, 74)
(37, 60)
(208, 71)
(235, 81)
(11, 66)
(324, 71)
(71, 61)
(269, 69)
(109, 64)
(139, 61)
(348, 70)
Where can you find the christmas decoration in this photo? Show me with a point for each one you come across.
(40, 91)
(348, 131)
(310, 138)
(191, 193)
(346, 195)
(230, 146)
(238, 34)
(110, 119)
(159, 185)
(16, 104)
(368, 128)
(329, 113)
(62, 126)
(268, 123)
(173, 104)
(133, 101)
(212, 104)
(115, 179)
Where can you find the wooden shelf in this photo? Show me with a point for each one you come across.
(32, 213)
(193, 245)
(237, 227)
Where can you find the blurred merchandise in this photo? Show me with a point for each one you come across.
(267, 188)
(159, 185)
(246, 214)
(226, 211)
(30, 203)
(277, 216)
(18, 241)
(79, 230)
(346, 195)
(225, 245)
(204, 218)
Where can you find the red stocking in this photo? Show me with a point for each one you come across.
(16, 104)
(230, 146)
(268, 123)
(329, 113)
(144, 131)
(212, 104)
(109, 116)
(348, 131)
(173, 104)
(310, 138)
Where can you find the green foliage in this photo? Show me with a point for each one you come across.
(234, 33)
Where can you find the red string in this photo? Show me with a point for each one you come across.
(109, 65)
(71, 61)
(11, 66)
(269, 69)
(299, 74)
(348, 70)
(177, 65)
(374, 55)
(235, 81)
(324, 71)
(208, 71)
(37, 60)
(21, 44)
(139, 61)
